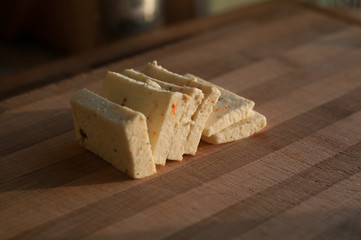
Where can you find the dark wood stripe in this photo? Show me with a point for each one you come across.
(39, 156)
(57, 174)
(198, 171)
(52, 176)
(52, 123)
(251, 54)
(284, 43)
(251, 50)
(340, 14)
(260, 207)
(348, 229)
(295, 79)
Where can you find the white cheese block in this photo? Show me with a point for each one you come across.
(229, 109)
(239, 130)
(193, 97)
(115, 133)
(162, 109)
(203, 111)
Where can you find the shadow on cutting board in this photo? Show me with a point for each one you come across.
(39, 151)
(25, 129)
(292, 224)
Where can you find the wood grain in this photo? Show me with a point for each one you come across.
(298, 179)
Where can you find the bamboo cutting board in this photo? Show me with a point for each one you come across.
(298, 179)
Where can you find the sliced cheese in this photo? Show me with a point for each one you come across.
(193, 97)
(229, 109)
(162, 108)
(203, 111)
(116, 134)
(239, 130)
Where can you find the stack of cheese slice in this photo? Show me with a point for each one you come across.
(232, 118)
(141, 119)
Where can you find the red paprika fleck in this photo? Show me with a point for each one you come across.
(173, 109)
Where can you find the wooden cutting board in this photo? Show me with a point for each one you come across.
(300, 178)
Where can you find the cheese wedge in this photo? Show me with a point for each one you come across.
(203, 111)
(116, 134)
(229, 109)
(162, 108)
(239, 130)
(193, 97)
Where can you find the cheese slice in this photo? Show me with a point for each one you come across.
(239, 130)
(203, 111)
(162, 108)
(229, 109)
(116, 134)
(193, 97)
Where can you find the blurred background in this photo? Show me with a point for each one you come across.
(34, 32)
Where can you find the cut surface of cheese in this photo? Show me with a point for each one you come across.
(203, 111)
(239, 130)
(162, 108)
(229, 109)
(115, 133)
(193, 97)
